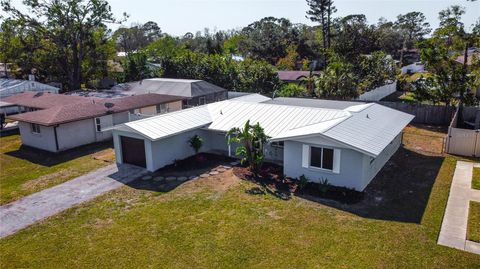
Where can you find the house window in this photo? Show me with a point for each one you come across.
(162, 108)
(98, 125)
(35, 128)
(278, 144)
(321, 158)
(202, 100)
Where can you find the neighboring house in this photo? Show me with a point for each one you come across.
(196, 92)
(56, 122)
(413, 68)
(348, 145)
(9, 87)
(473, 55)
(294, 76)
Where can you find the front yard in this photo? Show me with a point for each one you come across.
(473, 232)
(215, 222)
(476, 178)
(24, 171)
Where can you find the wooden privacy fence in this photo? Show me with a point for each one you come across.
(463, 142)
(425, 114)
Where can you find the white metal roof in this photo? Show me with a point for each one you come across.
(253, 97)
(371, 129)
(368, 128)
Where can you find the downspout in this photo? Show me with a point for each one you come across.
(56, 137)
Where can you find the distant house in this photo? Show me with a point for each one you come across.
(473, 55)
(294, 76)
(56, 122)
(196, 92)
(345, 143)
(9, 87)
(416, 67)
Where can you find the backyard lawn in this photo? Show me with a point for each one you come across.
(476, 178)
(24, 170)
(473, 232)
(215, 222)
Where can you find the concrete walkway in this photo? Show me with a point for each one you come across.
(454, 226)
(30, 209)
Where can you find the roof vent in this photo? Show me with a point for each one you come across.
(368, 117)
(109, 106)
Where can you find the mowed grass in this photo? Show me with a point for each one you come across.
(202, 227)
(214, 223)
(24, 170)
(473, 232)
(476, 178)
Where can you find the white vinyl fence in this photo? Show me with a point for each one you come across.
(464, 142)
(379, 93)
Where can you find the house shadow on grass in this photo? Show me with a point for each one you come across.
(399, 192)
(46, 158)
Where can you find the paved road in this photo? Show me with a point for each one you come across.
(454, 226)
(30, 209)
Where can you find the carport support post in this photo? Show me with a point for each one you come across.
(118, 147)
(149, 155)
(229, 146)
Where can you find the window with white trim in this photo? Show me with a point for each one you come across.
(321, 158)
(35, 128)
(162, 108)
(98, 125)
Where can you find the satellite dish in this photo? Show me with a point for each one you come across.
(109, 105)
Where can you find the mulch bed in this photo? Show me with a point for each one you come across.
(272, 180)
(197, 162)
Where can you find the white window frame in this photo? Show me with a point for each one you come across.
(321, 159)
(306, 158)
(98, 124)
(163, 108)
(35, 128)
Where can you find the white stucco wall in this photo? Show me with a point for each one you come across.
(350, 170)
(44, 140)
(372, 167)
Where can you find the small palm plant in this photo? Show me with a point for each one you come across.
(196, 143)
(252, 138)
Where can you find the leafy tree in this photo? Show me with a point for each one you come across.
(196, 143)
(268, 39)
(375, 70)
(353, 37)
(321, 11)
(387, 36)
(252, 139)
(136, 67)
(292, 90)
(136, 36)
(414, 27)
(289, 62)
(69, 27)
(337, 81)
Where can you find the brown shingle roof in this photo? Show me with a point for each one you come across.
(85, 107)
(294, 75)
(43, 100)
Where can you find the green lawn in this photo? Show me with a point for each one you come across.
(473, 232)
(25, 170)
(476, 178)
(214, 223)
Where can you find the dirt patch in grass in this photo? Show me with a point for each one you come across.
(425, 138)
(47, 180)
(476, 178)
(473, 231)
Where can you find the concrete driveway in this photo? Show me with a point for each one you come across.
(30, 209)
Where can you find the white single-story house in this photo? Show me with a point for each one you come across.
(347, 146)
(57, 122)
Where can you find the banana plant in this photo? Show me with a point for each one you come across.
(251, 139)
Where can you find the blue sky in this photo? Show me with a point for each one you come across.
(180, 16)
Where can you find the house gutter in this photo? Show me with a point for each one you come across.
(56, 136)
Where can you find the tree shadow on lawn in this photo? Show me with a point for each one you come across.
(399, 192)
(46, 158)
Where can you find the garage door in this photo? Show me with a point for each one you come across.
(133, 151)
